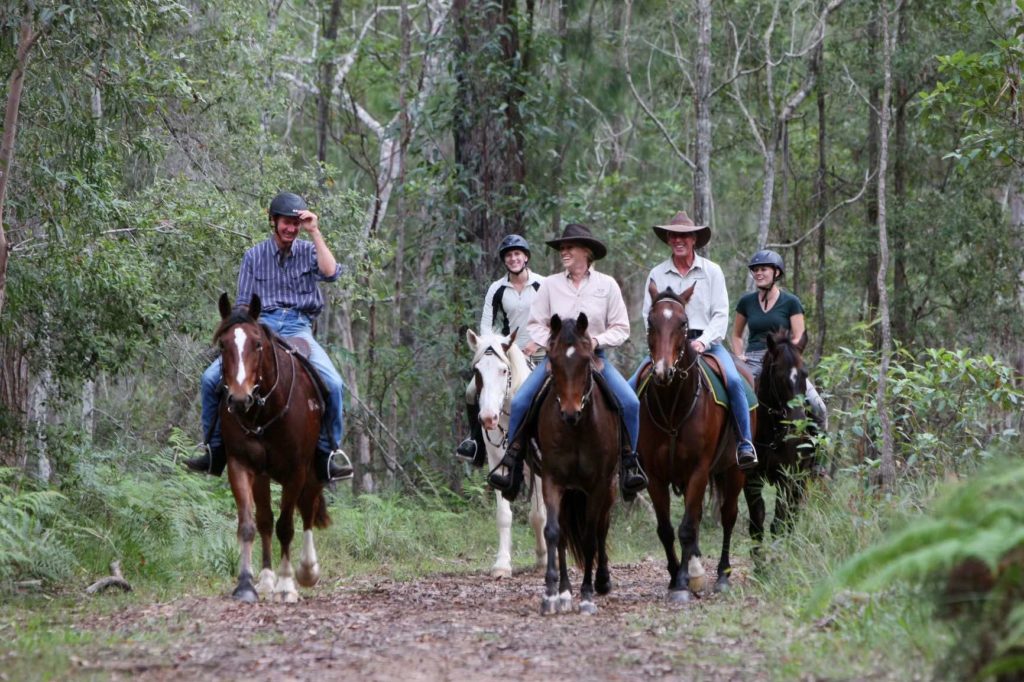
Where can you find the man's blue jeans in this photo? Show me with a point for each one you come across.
(629, 405)
(734, 385)
(286, 322)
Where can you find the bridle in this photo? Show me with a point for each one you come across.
(505, 411)
(587, 394)
(259, 401)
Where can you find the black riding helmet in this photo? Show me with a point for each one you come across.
(287, 204)
(768, 257)
(513, 241)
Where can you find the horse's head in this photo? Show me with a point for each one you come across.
(243, 346)
(492, 372)
(570, 356)
(667, 329)
(783, 374)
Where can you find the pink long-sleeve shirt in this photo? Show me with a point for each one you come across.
(599, 297)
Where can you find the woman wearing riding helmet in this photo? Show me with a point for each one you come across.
(766, 310)
(506, 308)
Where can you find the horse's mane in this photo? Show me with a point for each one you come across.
(513, 357)
(237, 316)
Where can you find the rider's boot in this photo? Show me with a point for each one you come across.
(507, 477)
(333, 466)
(212, 460)
(632, 478)
(472, 449)
(746, 456)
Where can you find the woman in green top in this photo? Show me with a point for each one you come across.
(766, 310)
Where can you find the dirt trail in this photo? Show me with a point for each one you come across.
(443, 627)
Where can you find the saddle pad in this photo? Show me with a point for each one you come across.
(718, 388)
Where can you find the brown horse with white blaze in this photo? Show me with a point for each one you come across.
(578, 435)
(270, 419)
(686, 441)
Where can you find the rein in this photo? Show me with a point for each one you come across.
(261, 400)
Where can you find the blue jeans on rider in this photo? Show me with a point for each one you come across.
(737, 393)
(286, 322)
(629, 405)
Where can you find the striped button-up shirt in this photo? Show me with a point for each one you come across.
(708, 308)
(283, 279)
(599, 296)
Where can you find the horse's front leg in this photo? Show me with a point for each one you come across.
(662, 501)
(265, 526)
(756, 509)
(730, 484)
(691, 579)
(587, 605)
(538, 517)
(552, 533)
(285, 589)
(241, 480)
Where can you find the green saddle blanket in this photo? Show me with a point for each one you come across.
(711, 379)
(718, 388)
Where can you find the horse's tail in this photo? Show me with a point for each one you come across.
(572, 520)
(321, 518)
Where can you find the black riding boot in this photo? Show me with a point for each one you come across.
(333, 466)
(632, 478)
(509, 482)
(746, 456)
(472, 449)
(212, 461)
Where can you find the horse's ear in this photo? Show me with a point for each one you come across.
(556, 326)
(770, 340)
(224, 304)
(254, 307)
(652, 290)
(472, 339)
(685, 296)
(511, 338)
(581, 324)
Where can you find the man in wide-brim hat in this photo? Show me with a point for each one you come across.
(578, 289)
(707, 311)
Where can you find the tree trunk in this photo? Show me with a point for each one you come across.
(703, 201)
(821, 199)
(871, 203)
(323, 102)
(901, 294)
(27, 37)
(487, 131)
(888, 463)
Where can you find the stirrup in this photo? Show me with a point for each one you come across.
(746, 459)
(467, 450)
(347, 465)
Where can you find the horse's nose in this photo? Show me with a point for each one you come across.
(572, 418)
(489, 420)
(237, 404)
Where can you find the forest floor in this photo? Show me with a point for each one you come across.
(438, 627)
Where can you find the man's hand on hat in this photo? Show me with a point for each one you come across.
(309, 222)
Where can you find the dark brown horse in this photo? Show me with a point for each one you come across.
(578, 434)
(270, 419)
(785, 451)
(686, 440)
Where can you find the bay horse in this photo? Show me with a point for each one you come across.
(499, 369)
(578, 436)
(785, 453)
(270, 419)
(686, 441)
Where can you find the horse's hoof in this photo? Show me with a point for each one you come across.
(603, 586)
(307, 576)
(565, 602)
(502, 572)
(680, 596)
(246, 595)
(286, 597)
(548, 605)
(265, 585)
(722, 585)
(588, 608)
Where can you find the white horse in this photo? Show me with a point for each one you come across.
(499, 369)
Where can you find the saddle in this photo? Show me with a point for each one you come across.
(714, 379)
(299, 348)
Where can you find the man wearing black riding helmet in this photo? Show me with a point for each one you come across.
(506, 308)
(284, 271)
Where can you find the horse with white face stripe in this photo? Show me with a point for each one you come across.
(270, 420)
(499, 368)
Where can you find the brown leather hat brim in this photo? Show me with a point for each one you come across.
(597, 248)
(703, 233)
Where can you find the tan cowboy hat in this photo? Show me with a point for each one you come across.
(580, 234)
(681, 223)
